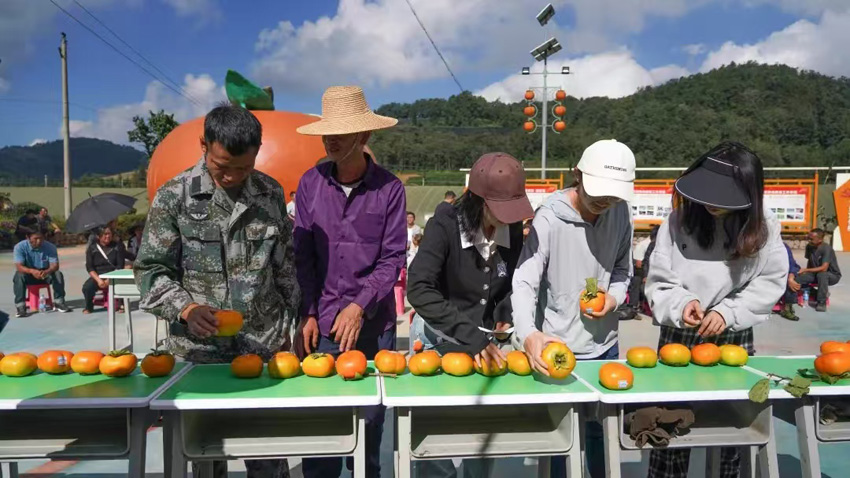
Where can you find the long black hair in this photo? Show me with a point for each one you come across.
(470, 213)
(746, 229)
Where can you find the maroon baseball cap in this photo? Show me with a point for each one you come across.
(500, 180)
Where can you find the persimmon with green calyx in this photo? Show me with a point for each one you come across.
(118, 363)
(592, 299)
(158, 363)
(559, 360)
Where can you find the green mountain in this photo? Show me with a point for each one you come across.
(88, 157)
(789, 117)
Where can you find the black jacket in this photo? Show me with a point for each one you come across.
(455, 290)
(95, 262)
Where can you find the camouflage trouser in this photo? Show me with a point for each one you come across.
(256, 469)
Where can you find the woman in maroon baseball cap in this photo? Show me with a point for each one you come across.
(460, 281)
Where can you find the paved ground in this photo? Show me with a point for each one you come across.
(75, 331)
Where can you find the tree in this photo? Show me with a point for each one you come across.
(149, 133)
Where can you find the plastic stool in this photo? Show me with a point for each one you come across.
(103, 299)
(33, 292)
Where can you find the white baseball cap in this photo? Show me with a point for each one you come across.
(608, 169)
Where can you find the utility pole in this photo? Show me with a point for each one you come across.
(545, 119)
(66, 134)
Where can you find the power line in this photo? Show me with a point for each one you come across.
(164, 75)
(432, 44)
(53, 102)
(110, 45)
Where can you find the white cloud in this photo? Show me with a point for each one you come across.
(5, 86)
(204, 10)
(805, 7)
(694, 49)
(380, 43)
(112, 123)
(612, 74)
(37, 141)
(804, 44)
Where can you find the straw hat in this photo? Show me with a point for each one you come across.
(345, 111)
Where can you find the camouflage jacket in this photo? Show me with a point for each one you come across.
(200, 246)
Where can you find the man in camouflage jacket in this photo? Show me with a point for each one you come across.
(203, 248)
(218, 237)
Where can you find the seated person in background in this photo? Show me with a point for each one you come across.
(791, 289)
(134, 242)
(822, 267)
(105, 255)
(37, 262)
(46, 224)
(113, 224)
(27, 224)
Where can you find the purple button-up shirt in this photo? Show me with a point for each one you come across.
(350, 249)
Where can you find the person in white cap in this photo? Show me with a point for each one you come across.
(584, 231)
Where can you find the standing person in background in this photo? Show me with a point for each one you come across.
(290, 208)
(414, 249)
(822, 267)
(460, 280)
(718, 268)
(412, 228)
(791, 289)
(350, 244)
(446, 205)
(217, 237)
(584, 231)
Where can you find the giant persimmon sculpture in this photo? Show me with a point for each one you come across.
(285, 155)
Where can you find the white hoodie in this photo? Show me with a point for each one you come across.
(560, 253)
(742, 290)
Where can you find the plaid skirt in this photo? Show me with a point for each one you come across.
(688, 337)
(673, 463)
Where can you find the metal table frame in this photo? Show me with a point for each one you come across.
(136, 421)
(178, 441)
(611, 411)
(406, 428)
(122, 287)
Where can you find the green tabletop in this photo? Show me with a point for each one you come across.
(665, 383)
(788, 366)
(71, 390)
(214, 387)
(476, 389)
(118, 274)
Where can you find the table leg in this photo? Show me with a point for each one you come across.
(129, 324)
(768, 462)
(172, 446)
(585, 416)
(575, 456)
(804, 416)
(544, 466)
(205, 469)
(402, 432)
(749, 461)
(712, 461)
(110, 314)
(138, 442)
(9, 469)
(611, 431)
(360, 448)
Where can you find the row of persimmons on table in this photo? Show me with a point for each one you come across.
(352, 365)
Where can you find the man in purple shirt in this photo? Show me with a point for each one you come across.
(350, 246)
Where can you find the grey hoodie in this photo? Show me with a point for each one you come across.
(562, 251)
(742, 290)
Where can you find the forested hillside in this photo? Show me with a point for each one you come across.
(789, 117)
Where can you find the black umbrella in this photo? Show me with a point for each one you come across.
(98, 211)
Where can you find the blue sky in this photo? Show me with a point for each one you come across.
(301, 47)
